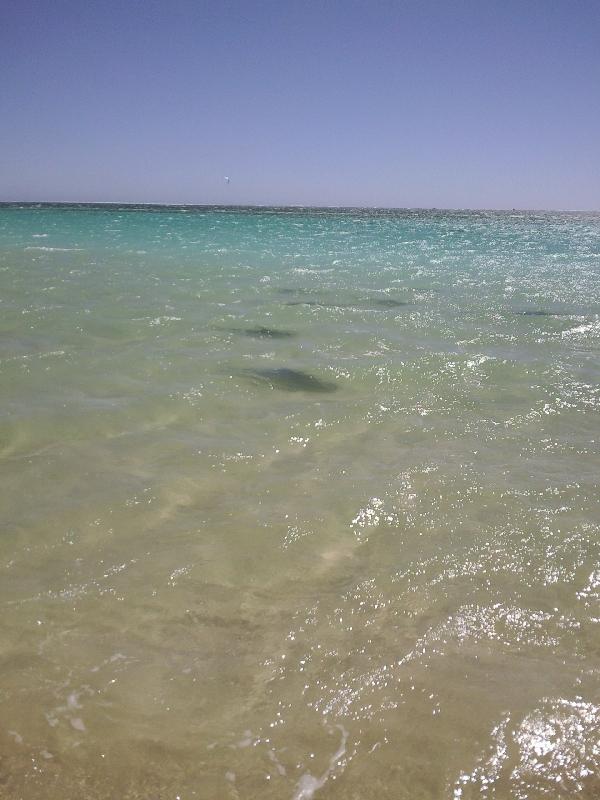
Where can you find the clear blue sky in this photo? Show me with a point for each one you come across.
(446, 104)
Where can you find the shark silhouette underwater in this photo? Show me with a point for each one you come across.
(291, 380)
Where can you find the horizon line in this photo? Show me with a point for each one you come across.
(298, 206)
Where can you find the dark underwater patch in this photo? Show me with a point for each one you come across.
(318, 304)
(292, 380)
(369, 303)
(388, 302)
(260, 332)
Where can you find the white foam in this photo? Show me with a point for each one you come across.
(55, 249)
(162, 320)
(308, 784)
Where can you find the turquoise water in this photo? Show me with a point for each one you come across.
(299, 503)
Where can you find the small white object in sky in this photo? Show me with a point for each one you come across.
(227, 178)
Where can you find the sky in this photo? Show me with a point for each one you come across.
(478, 104)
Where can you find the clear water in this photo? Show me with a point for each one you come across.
(299, 504)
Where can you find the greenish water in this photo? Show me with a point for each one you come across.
(299, 504)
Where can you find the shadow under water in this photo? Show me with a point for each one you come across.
(387, 302)
(260, 332)
(291, 380)
(364, 304)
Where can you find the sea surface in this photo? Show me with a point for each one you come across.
(299, 504)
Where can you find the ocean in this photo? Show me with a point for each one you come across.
(299, 503)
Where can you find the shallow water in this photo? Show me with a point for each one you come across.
(361, 560)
